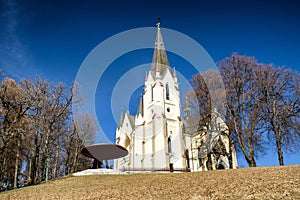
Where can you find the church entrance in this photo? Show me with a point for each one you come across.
(171, 167)
(187, 159)
(220, 166)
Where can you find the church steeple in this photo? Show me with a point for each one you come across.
(160, 63)
(141, 107)
(122, 116)
(146, 77)
(187, 108)
(175, 75)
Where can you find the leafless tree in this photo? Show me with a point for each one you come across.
(280, 95)
(13, 122)
(207, 102)
(243, 106)
(83, 133)
(35, 124)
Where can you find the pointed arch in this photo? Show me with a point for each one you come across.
(152, 93)
(187, 158)
(127, 142)
(169, 145)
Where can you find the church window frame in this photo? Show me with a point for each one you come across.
(186, 152)
(200, 161)
(167, 92)
(169, 145)
(152, 93)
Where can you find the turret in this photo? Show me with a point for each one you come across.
(175, 75)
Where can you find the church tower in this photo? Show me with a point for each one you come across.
(156, 142)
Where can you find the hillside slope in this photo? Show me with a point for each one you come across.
(248, 183)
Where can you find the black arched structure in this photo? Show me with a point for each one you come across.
(104, 151)
(220, 166)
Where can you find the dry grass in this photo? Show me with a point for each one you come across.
(254, 183)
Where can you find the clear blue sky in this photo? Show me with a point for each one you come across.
(52, 38)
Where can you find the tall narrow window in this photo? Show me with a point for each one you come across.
(187, 158)
(169, 145)
(199, 157)
(167, 92)
(151, 93)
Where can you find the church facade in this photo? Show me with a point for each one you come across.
(156, 138)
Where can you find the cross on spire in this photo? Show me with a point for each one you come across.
(158, 22)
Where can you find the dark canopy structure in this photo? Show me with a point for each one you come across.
(104, 151)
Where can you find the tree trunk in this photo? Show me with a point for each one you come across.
(251, 161)
(279, 150)
(2, 174)
(37, 166)
(230, 154)
(56, 159)
(74, 165)
(29, 169)
(17, 166)
(46, 150)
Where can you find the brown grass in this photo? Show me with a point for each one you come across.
(253, 183)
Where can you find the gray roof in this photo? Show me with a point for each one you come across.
(130, 117)
(189, 127)
(122, 116)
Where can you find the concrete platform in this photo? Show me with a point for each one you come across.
(97, 171)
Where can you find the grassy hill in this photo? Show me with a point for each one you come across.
(253, 183)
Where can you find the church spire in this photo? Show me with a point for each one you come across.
(160, 63)
(146, 77)
(175, 75)
(187, 108)
(122, 116)
(140, 108)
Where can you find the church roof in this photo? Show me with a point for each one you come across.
(122, 116)
(160, 61)
(130, 118)
(190, 127)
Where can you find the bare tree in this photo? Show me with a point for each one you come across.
(49, 110)
(200, 101)
(13, 112)
(280, 95)
(207, 102)
(35, 127)
(83, 133)
(243, 107)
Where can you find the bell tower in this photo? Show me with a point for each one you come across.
(155, 137)
(162, 112)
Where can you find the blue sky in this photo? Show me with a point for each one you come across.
(51, 39)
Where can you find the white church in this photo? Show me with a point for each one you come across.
(158, 138)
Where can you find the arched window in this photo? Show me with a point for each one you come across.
(169, 145)
(152, 93)
(167, 92)
(202, 152)
(187, 158)
(199, 157)
(127, 142)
